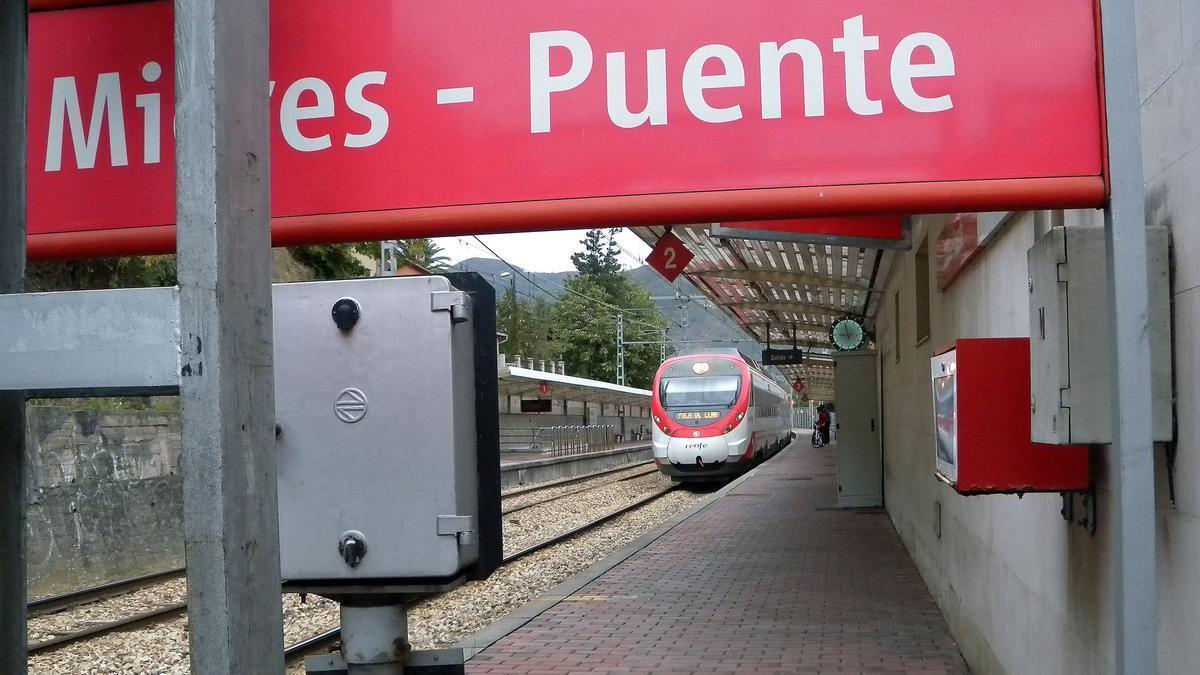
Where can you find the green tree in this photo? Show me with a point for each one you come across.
(527, 326)
(599, 255)
(335, 261)
(78, 275)
(584, 328)
(424, 252)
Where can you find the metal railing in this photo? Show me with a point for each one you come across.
(519, 440)
(560, 440)
(805, 418)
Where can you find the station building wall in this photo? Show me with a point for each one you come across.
(1023, 590)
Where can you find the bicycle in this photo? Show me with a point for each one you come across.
(817, 440)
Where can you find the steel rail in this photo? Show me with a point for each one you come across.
(298, 651)
(55, 603)
(573, 479)
(152, 616)
(588, 525)
(547, 500)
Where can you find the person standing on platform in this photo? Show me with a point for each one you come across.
(823, 424)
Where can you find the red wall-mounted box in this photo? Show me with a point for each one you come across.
(982, 432)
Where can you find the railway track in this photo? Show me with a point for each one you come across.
(322, 641)
(564, 495)
(294, 652)
(62, 601)
(572, 480)
(153, 616)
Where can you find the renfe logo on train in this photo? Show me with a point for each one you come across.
(433, 118)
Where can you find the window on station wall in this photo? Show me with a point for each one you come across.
(921, 263)
(896, 324)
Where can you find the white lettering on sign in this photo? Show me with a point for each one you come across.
(695, 82)
(771, 57)
(904, 70)
(656, 91)
(357, 102)
(853, 44)
(309, 106)
(151, 107)
(456, 95)
(291, 113)
(107, 120)
(542, 84)
(64, 109)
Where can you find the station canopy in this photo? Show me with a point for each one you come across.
(772, 288)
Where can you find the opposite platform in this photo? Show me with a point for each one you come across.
(768, 577)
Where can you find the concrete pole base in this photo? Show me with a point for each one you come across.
(375, 638)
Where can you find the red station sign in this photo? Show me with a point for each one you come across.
(669, 257)
(429, 118)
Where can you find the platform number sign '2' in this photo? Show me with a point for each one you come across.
(670, 257)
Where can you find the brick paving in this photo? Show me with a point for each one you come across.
(769, 579)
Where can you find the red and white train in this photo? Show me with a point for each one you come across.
(716, 415)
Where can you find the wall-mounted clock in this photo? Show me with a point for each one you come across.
(848, 334)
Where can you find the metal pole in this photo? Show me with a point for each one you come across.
(231, 512)
(620, 350)
(13, 88)
(1132, 454)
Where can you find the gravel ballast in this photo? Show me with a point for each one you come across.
(439, 622)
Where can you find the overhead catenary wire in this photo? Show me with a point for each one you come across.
(523, 275)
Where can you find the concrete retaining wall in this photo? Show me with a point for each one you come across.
(551, 468)
(104, 496)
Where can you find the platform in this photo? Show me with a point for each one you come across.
(767, 577)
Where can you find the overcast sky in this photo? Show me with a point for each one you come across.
(540, 251)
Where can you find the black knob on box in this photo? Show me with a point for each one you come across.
(346, 313)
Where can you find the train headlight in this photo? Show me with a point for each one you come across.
(700, 368)
(657, 419)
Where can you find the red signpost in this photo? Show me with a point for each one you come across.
(669, 257)
(430, 118)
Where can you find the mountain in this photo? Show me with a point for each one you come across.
(696, 324)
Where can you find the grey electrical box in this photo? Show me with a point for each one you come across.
(1070, 336)
(387, 445)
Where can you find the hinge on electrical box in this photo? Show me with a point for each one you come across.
(462, 527)
(455, 302)
(1084, 513)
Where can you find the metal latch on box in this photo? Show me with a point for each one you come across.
(455, 302)
(462, 527)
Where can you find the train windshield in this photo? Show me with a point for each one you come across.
(717, 391)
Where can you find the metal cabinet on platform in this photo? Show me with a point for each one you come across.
(859, 453)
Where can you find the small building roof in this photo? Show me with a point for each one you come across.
(516, 381)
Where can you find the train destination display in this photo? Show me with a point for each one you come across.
(426, 118)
